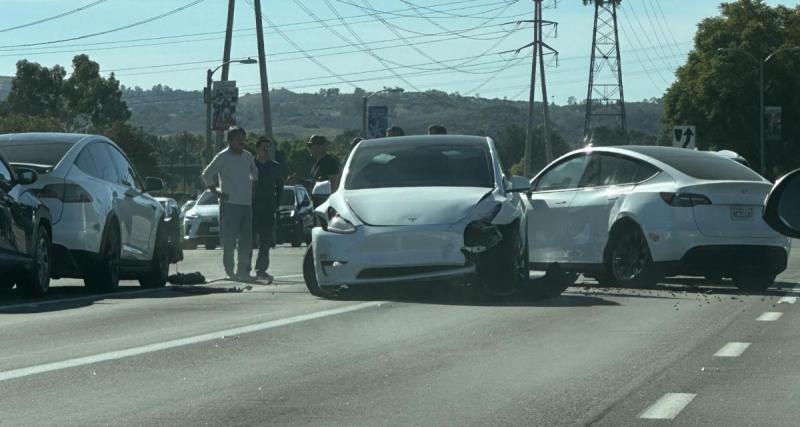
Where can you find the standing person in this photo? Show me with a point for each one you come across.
(266, 201)
(437, 129)
(326, 167)
(395, 131)
(236, 171)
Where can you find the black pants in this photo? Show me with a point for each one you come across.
(264, 228)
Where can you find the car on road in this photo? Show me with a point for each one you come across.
(201, 222)
(630, 215)
(295, 216)
(25, 234)
(105, 225)
(420, 208)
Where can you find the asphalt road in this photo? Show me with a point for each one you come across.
(225, 353)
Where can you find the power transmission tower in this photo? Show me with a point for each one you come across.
(539, 47)
(605, 97)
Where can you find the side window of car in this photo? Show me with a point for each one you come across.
(592, 176)
(5, 173)
(563, 176)
(618, 170)
(86, 163)
(645, 171)
(103, 162)
(127, 176)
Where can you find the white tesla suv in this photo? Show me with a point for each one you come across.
(420, 208)
(629, 215)
(106, 227)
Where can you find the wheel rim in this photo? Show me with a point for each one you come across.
(630, 257)
(43, 262)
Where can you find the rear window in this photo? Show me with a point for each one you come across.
(35, 152)
(710, 167)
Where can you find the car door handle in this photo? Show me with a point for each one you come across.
(613, 199)
(563, 202)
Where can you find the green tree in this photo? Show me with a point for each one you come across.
(92, 99)
(37, 91)
(717, 91)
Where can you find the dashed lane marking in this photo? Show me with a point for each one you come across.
(668, 407)
(770, 316)
(787, 300)
(732, 349)
(150, 348)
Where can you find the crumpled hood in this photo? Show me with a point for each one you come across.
(206, 211)
(414, 205)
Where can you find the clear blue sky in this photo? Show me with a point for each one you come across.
(456, 49)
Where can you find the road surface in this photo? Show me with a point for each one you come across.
(687, 353)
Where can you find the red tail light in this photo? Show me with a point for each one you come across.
(685, 200)
(66, 193)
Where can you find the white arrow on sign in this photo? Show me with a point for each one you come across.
(684, 136)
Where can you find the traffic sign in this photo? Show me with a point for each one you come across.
(684, 136)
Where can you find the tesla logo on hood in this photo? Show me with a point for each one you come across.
(412, 220)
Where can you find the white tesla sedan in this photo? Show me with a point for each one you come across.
(105, 224)
(420, 208)
(629, 215)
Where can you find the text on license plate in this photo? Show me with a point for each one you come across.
(741, 213)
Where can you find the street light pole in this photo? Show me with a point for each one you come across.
(365, 101)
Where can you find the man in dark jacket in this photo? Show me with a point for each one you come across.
(266, 201)
(325, 168)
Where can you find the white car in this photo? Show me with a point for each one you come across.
(201, 222)
(420, 208)
(629, 215)
(106, 226)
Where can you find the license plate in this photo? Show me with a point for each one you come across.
(213, 229)
(741, 213)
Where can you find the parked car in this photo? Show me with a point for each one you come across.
(421, 208)
(201, 222)
(630, 215)
(295, 216)
(25, 230)
(782, 207)
(106, 226)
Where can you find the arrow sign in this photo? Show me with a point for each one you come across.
(684, 136)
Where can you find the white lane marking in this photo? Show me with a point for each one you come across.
(770, 316)
(668, 407)
(111, 295)
(732, 349)
(150, 348)
(787, 300)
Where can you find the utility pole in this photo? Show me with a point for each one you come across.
(226, 58)
(539, 47)
(605, 96)
(185, 140)
(262, 65)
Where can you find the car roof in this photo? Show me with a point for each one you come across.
(45, 137)
(427, 139)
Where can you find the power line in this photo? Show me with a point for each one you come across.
(658, 30)
(124, 27)
(657, 52)
(54, 17)
(458, 31)
(371, 9)
(640, 44)
(668, 29)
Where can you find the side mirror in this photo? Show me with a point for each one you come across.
(27, 176)
(782, 207)
(322, 189)
(153, 184)
(518, 184)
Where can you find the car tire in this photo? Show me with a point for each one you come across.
(753, 281)
(502, 270)
(36, 281)
(104, 276)
(628, 260)
(297, 235)
(552, 285)
(159, 265)
(310, 277)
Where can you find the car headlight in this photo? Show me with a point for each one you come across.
(337, 224)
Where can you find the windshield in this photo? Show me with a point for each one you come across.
(208, 198)
(46, 154)
(400, 164)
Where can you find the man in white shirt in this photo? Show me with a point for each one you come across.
(236, 171)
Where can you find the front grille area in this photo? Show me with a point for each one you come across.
(390, 272)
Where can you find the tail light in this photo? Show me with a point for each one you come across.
(66, 193)
(685, 200)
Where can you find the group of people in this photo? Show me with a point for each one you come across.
(250, 188)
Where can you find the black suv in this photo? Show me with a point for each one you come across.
(25, 233)
(295, 216)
